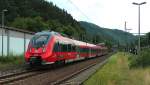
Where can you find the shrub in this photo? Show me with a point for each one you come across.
(12, 59)
(142, 60)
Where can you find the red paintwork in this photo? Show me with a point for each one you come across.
(50, 56)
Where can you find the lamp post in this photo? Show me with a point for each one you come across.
(3, 27)
(139, 4)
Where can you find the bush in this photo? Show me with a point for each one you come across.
(12, 59)
(142, 60)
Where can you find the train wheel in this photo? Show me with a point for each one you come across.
(60, 63)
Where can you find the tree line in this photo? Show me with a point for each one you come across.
(38, 15)
(145, 40)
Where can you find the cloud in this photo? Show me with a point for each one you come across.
(108, 13)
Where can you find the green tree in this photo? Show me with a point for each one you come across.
(108, 44)
(33, 24)
(148, 37)
(37, 15)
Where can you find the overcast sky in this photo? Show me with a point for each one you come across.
(108, 13)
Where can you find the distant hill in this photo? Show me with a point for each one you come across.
(113, 35)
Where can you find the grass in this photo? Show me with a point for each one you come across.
(11, 60)
(118, 72)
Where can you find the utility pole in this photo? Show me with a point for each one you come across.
(126, 30)
(139, 4)
(3, 27)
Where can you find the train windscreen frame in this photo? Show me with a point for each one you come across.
(40, 40)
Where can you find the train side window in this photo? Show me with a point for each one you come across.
(78, 49)
(84, 50)
(87, 50)
(64, 47)
(69, 48)
(81, 50)
(73, 48)
(56, 47)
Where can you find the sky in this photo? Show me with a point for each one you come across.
(109, 13)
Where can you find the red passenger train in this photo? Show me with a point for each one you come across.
(52, 47)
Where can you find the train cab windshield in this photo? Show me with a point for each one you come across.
(39, 40)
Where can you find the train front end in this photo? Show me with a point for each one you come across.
(39, 48)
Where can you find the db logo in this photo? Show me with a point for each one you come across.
(36, 51)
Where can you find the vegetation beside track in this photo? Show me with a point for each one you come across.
(118, 71)
(142, 60)
(11, 60)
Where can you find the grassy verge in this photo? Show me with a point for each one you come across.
(7, 61)
(118, 72)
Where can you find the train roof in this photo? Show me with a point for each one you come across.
(43, 33)
(68, 40)
(76, 42)
(47, 33)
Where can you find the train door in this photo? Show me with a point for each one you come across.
(69, 50)
(89, 52)
(77, 52)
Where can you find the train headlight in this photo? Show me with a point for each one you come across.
(44, 49)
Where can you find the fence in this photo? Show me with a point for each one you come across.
(14, 42)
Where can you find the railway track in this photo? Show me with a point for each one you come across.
(82, 76)
(71, 75)
(52, 76)
(21, 74)
(12, 70)
(62, 81)
(8, 78)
